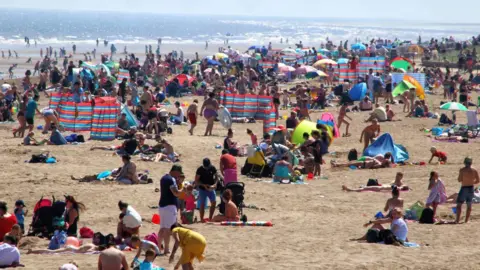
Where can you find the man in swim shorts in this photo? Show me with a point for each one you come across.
(468, 176)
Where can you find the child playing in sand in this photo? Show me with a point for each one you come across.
(253, 137)
(442, 156)
(20, 214)
(192, 113)
(143, 245)
(341, 119)
(147, 264)
(16, 231)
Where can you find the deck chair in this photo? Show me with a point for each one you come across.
(472, 123)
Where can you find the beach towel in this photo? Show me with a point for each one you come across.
(437, 193)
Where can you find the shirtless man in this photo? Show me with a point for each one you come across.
(369, 133)
(192, 113)
(209, 108)
(468, 176)
(146, 100)
(341, 119)
(112, 259)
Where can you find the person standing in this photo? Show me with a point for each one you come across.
(72, 214)
(168, 205)
(468, 176)
(206, 180)
(228, 167)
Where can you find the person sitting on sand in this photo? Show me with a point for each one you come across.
(230, 145)
(179, 117)
(56, 138)
(437, 195)
(398, 183)
(370, 133)
(380, 114)
(341, 119)
(168, 154)
(16, 232)
(129, 223)
(122, 125)
(390, 113)
(393, 202)
(30, 140)
(142, 245)
(112, 259)
(365, 104)
(231, 210)
(398, 225)
(283, 170)
(128, 172)
(9, 254)
(442, 157)
(147, 264)
(376, 162)
(192, 243)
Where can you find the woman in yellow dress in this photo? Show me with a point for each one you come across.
(192, 243)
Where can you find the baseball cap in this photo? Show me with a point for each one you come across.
(19, 203)
(177, 168)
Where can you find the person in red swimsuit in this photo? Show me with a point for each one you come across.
(442, 157)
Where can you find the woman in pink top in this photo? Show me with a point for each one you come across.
(437, 195)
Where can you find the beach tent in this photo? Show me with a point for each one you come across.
(384, 144)
(131, 118)
(358, 92)
(401, 62)
(329, 119)
(402, 87)
(307, 127)
(358, 47)
(419, 88)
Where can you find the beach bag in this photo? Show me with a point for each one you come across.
(58, 240)
(373, 236)
(372, 182)
(187, 217)
(388, 237)
(427, 216)
(80, 139)
(152, 238)
(415, 211)
(40, 158)
(86, 232)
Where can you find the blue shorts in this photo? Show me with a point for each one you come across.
(203, 194)
(465, 195)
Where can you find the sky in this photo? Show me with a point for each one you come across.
(414, 10)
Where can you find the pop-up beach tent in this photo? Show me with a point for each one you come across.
(384, 144)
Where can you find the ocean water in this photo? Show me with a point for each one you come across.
(84, 27)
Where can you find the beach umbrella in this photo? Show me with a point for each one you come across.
(221, 55)
(289, 51)
(342, 61)
(305, 69)
(324, 51)
(212, 62)
(183, 77)
(358, 47)
(324, 62)
(453, 106)
(420, 91)
(254, 47)
(401, 64)
(285, 68)
(314, 74)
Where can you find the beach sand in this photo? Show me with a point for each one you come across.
(312, 223)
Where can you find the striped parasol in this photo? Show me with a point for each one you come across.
(453, 106)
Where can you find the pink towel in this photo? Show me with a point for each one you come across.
(230, 175)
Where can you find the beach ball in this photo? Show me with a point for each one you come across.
(72, 241)
(156, 219)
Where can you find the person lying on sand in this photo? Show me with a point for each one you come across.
(476, 197)
(370, 163)
(387, 187)
(86, 248)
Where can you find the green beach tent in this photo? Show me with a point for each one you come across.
(403, 64)
(402, 87)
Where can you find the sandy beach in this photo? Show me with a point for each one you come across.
(312, 223)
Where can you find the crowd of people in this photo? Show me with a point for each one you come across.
(158, 78)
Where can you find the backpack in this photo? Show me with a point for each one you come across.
(388, 237)
(372, 182)
(427, 216)
(40, 158)
(58, 240)
(352, 155)
(373, 236)
(80, 139)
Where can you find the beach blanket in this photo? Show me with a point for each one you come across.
(251, 106)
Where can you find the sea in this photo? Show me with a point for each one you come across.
(84, 27)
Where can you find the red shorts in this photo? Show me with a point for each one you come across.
(192, 118)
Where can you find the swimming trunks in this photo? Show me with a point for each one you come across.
(192, 118)
(465, 195)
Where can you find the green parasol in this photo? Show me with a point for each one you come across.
(401, 64)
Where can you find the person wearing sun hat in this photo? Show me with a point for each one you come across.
(168, 204)
(469, 177)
